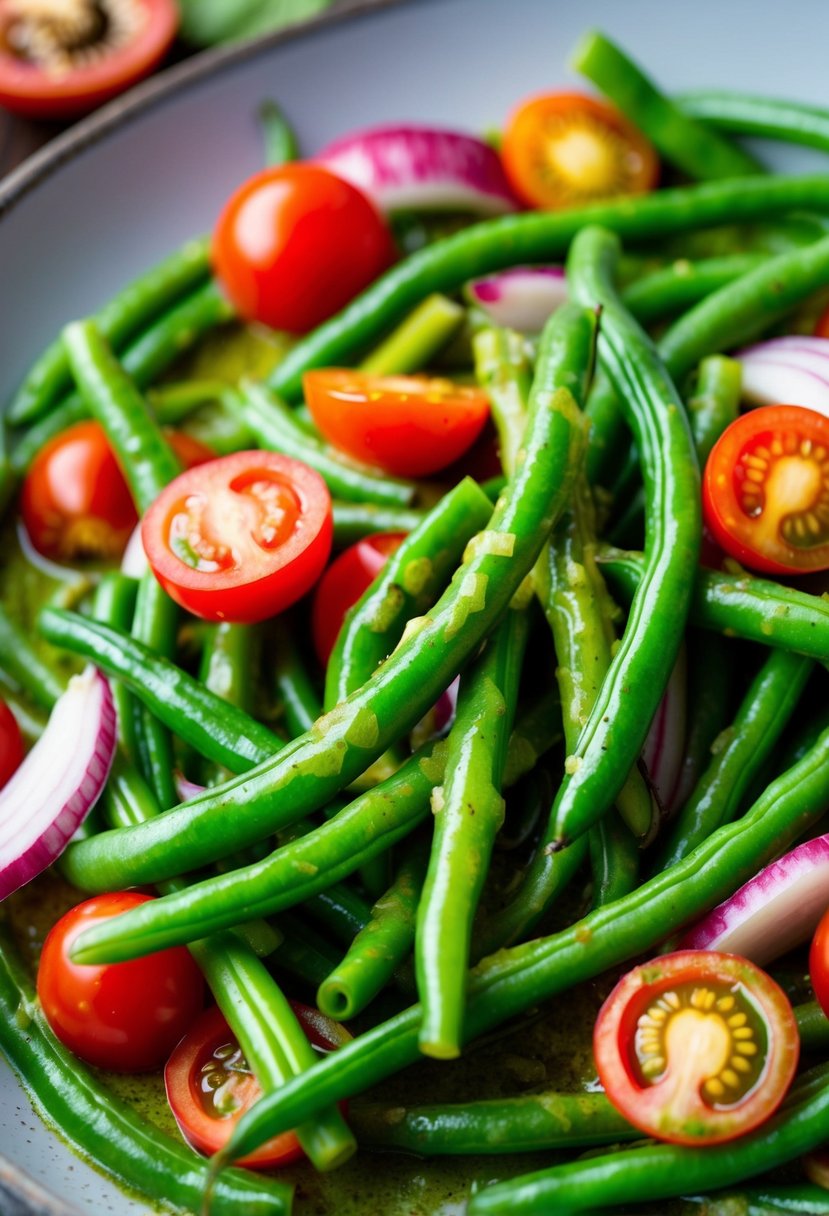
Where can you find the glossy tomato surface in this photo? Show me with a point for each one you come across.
(209, 1085)
(12, 750)
(240, 538)
(295, 243)
(766, 490)
(114, 52)
(350, 574)
(126, 1017)
(819, 962)
(696, 1047)
(410, 426)
(567, 149)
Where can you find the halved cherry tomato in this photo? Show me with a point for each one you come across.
(410, 426)
(819, 963)
(123, 1016)
(240, 538)
(75, 501)
(766, 490)
(342, 584)
(295, 243)
(696, 1047)
(566, 149)
(209, 1085)
(12, 750)
(58, 61)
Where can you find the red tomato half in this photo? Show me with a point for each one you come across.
(696, 1047)
(566, 149)
(410, 426)
(240, 538)
(295, 243)
(766, 490)
(123, 1016)
(350, 574)
(116, 43)
(12, 750)
(819, 963)
(209, 1085)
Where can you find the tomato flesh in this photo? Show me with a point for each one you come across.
(209, 1085)
(350, 574)
(696, 1047)
(766, 490)
(566, 149)
(240, 538)
(410, 426)
(295, 243)
(12, 750)
(126, 1017)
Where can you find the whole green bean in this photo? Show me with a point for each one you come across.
(715, 401)
(417, 339)
(340, 910)
(684, 282)
(155, 625)
(20, 661)
(503, 367)
(353, 521)
(689, 145)
(301, 703)
(769, 118)
(812, 1026)
(710, 681)
(228, 663)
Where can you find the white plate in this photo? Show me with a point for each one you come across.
(98, 206)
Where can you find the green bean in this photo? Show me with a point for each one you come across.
(469, 810)
(711, 676)
(812, 1026)
(684, 282)
(380, 946)
(715, 401)
(280, 139)
(340, 910)
(514, 979)
(741, 114)
(301, 703)
(504, 368)
(228, 662)
(614, 860)
(172, 403)
(219, 731)
(613, 736)
(342, 744)
(155, 625)
(276, 429)
(23, 665)
(125, 315)
(407, 586)
(535, 237)
(689, 145)
(304, 953)
(509, 1125)
(739, 753)
(537, 729)
(104, 1129)
(417, 339)
(353, 521)
(803, 1199)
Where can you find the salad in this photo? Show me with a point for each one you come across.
(462, 652)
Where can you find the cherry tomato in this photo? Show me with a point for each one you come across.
(342, 584)
(766, 490)
(58, 64)
(295, 243)
(126, 1017)
(410, 426)
(12, 750)
(822, 324)
(566, 149)
(75, 501)
(240, 538)
(696, 1047)
(819, 963)
(209, 1085)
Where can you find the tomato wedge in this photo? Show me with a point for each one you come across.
(209, 1085)
(410, 426)
(566, 149)
(240, 538)
(58, 61)
(342, 584)
(696, 1047)
(766, 490)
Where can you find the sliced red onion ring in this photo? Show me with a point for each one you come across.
(793, 370)
(59, 782)
(774, 911)
(422, 168)
(185, 788)
(134, 562)
(665, 743)
(521, 298)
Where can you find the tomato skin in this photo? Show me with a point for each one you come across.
(126, 1017)
(410, 426)
(564, 150)
(205, 1130)
(758, 539)
(295, 243)
(706, 1030)
(263, 520)
(342, 584)
(12, 750)
(36, 92)
(821, 329)
(819, 963)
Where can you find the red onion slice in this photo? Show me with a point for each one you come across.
(521, 298)
(422, 168)
(59, 782)
(774, 911)
(793, 370)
